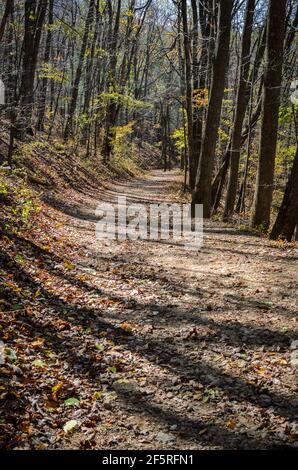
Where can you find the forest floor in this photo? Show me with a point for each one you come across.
(145, 345)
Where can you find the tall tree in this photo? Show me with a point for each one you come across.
(189, 94)
(75, 88)
(44, 82)
(241, 104)
(111, 112)
(202, 192)
(35, 13)
(7, 12)
(197, 117)
(271, 103)
(253, 117)
(287, 218)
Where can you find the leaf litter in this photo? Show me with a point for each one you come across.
(140, 345)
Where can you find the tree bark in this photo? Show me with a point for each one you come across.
(44, 83)
(7, 12)
(271, 102)
(241, 105)
(112, 105)
(202, 192)
(189, 95)
(197, 118)
(34, 20)
(287, 219)
(75, 89)
(220, 178)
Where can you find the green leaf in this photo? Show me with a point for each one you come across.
(17, 307)
(72, 402)
(11, 355)
(39, 363)
(112, 369)
(100, 347)
(70, 425)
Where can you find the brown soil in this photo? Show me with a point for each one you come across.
(163, 348)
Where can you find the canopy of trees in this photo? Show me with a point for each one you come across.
(207, 81)
(119, 108)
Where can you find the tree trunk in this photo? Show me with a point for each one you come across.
(75, 89)
(241, 105)
(189, 95)
(8, 10)
(112, 107)
(271, 101)
(44, 83)
(34, 20)
(287, 219)
(89, 76)
(220, 178)
(197, 118)
(202, 192)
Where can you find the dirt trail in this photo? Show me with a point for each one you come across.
(208, 358)
(167, 348)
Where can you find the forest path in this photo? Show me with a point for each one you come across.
(198, 342)
(146, 345)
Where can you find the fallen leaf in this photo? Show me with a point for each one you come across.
(70, 425)
(56, 389)
(72, 402)
(231, 424)
(39, 363)
(69, 266)
(38, 343)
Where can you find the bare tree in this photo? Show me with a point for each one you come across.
(79, 71)
(271, 102)
(241, 104)
(287, 219)
(7, 12)
(35, 13)
(189, 95)
(202, 192)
